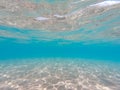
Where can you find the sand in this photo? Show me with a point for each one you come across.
(59, 74)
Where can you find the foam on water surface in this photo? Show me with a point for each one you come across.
(106, 3)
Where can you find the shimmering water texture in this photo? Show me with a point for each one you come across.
(59, 74)
(59, 28)
(88, 21)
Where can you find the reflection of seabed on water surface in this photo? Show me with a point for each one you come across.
(81, 21)
(62, 15)
(59, 74)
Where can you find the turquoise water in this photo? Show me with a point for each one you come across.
(59, 45)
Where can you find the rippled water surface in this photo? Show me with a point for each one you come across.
(73, 20)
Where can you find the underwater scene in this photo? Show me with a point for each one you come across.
(59, 44)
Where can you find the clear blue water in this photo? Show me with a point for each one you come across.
(74, 45)
(54, 49)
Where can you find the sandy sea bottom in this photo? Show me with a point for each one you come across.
(59, 74)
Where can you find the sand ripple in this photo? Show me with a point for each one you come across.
(59, 74)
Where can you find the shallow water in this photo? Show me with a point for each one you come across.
(59, 74)
(73, 20)
(59, 45)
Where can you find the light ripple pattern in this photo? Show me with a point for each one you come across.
(59, 74)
